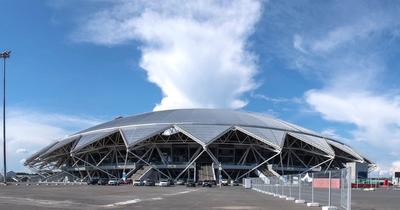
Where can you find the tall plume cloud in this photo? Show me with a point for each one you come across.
(195, 51)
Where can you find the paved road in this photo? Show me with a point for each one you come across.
(376, 200)
(128, 197)
(178, 197)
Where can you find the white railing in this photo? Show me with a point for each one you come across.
(330, 188)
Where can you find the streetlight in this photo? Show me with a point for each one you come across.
(4, 55)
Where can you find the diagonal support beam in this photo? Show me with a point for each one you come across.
(152, 166)
(189, 164)
(149, 150)
(95, 167)
(103, 158)
(161, 155)
(266, 161)
(316, 166)
(215, 160)
(327, 168)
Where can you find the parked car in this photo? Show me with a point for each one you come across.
(149, 182)
(234, 183)
(127, 181)
(207, 183)
(102, 181)
(164, 183)
(113, 182)
(180, 182)
(92, 181)
(137, 183)
(224, 182)
(190, 183)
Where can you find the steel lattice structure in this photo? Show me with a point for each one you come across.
(191, 143)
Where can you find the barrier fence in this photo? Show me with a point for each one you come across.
(330, 188)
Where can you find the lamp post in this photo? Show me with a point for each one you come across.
(4, 55)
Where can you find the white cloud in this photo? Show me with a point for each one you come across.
(345, 34)
(22, 161)
(298, 43)
(376, 118)
(395, 167)
(30, 130)
(332, 133)
(348, 55)
(361, 108)
(21, 151)
(294, 100)
(195, 51)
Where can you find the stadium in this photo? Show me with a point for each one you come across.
(196, 144)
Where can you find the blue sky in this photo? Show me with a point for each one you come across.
(330, 66)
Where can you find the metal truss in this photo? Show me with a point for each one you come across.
(111, 156)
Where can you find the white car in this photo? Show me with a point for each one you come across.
(180, 182)
(137, 183)
(113, 182)
(164, 183)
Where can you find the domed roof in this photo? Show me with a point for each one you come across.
(204, 126)
(201, 117)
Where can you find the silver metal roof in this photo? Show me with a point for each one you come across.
(89, 138)
(317, 142)
(203, 126)
(203, 134)
(346, 149)
(133, 135)
(274, 138)
(196, 116)
(40, 152)
(59, 145)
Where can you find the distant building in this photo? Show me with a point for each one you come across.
(396, 178)
(358, 170)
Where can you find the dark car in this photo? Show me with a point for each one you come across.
(234, 183)
(127, 181)
(190, 183)
(102, 181)
(92, 181)
(149, 182)
(207, 183)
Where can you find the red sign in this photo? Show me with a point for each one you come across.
(324, 183)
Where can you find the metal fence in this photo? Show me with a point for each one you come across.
(330, 188)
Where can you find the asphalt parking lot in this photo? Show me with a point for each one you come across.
(380, 199)
(128, 197)
(176, 197)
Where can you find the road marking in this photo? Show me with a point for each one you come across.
(179, 193)
(75, 205)
(124, 203)
(236, 207)
(41, 202)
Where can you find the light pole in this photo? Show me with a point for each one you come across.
(4, 55)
